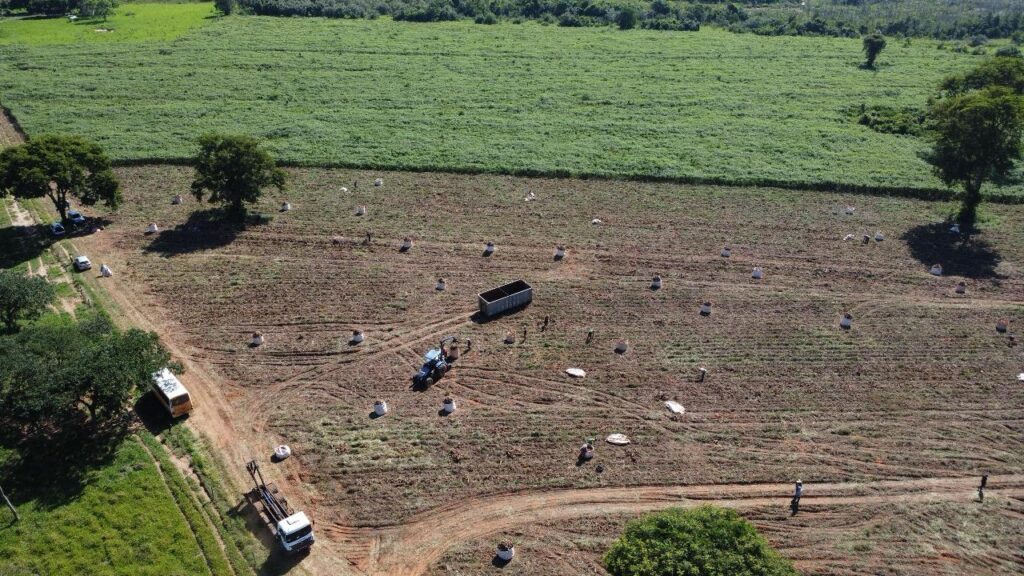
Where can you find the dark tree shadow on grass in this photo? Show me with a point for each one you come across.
(19, 244)
(53, 469)
(204, 230)
(960, 256)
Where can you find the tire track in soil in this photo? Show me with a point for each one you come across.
(410, 548)
(257, 410)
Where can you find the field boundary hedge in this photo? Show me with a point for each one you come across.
(937, 194)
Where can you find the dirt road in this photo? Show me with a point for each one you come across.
(410, 548)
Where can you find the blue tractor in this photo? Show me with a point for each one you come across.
(435, 363)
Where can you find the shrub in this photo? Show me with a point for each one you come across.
(704, 540)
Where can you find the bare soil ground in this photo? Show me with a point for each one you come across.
(922, 387)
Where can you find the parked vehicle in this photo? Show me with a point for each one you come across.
(171, 393)
(76, 218)
(57, 229)
(504, 298)
(82, 263)
(436, 363)
(293, 529)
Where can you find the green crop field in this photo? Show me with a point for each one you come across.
(710, 106)
(130, 22)
(123, 522)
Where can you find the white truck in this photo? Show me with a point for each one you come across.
(293, 529)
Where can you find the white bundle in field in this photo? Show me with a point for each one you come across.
(360, 210)
(622, 346)
(961, 288)
(850, 210)
(283, 451)
(596, 221)
(559, 252)
(846, 321)
(879, 237)
(286, 206)
(152, 228)
(441, 284)
(1002, 325)
(257, 339)
(506, 551)
(674, 407)
(406, 244)
(489, 249)
(757, 274)
(936, 270)
(105, 271)
(378, 182)
(576, 372)
(380, 407)
(177, 199)
(656, 283)
(954, 229)
(357, 337)
(726, 252)
(705, 309)
(617, 439)
(448, 405)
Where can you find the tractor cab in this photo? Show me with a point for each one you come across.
(435, 364)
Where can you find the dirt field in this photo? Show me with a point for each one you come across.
(921, 387)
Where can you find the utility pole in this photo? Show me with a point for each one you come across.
(9, 505)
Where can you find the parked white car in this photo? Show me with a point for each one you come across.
(82, 263)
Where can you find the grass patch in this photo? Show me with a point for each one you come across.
(121, 523)
(128, 23)
(244, 552)
(710, 106)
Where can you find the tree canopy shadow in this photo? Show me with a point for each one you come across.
(970, 257)
(53, 470)
(204, 230)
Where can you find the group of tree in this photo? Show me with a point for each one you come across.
(83, 8)
(230, 170)
(837, 18)
(71, 378)
(22, 298)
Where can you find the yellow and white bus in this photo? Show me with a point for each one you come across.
(171, 393)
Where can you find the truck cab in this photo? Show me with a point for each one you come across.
(295, 533)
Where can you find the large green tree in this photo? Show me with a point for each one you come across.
(234, 170)
(704, 541)
(59, 167)
(873, 46)
(62, 375)
(22, 298)
(976, 137)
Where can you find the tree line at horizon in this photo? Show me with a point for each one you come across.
(956, 20)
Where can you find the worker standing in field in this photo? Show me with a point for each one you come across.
(590, 336)
(798, 491)
(545, 326)
(981, 487)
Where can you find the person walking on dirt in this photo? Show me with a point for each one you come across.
(702, 375)
(981, 487)
(524, 334)
(590, 336)
(369, 237)
(545, 326)
(469, 345)
(794, 504)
